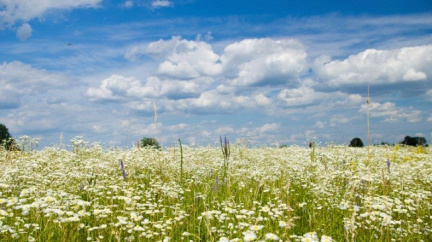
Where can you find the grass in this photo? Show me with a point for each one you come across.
(341, 194)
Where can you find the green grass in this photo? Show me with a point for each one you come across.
(192, 194)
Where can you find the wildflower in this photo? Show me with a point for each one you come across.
(282, 224)
(249, 236)
(223, 239)
(271, 236)
(325, 238)
(265, 209)
(256, 227)
(310, 237)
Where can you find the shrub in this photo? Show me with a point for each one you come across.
(414, 141)
(356, 142)
(152, 142)
(6, 139)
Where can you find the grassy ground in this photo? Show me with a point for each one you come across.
(202, 194)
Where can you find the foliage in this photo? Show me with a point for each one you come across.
(150, 142)
(6, 139)
(273, 194)
(356, 142)
(414, 141)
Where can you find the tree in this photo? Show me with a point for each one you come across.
(152, 142)
(6, 139)
(414, 141)
(356, 142)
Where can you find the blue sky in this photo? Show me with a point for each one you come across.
(263, 72)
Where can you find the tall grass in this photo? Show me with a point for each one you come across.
(342, 194)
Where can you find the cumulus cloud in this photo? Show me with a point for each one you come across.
(119, 88)
(303, 96)
(180, 58)
(391, 113)
(245, 63)
(13, 11)
(24, 79)
(24, 31)
(409, 64)
(264, 61)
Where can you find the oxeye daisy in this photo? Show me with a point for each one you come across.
(271, 236)
(325, 238)
(282, 224)
(224, 239)
(256, 227)
(249, 236)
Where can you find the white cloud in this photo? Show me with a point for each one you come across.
(391, 113)
(12, 11)
(183, 58)
(161, 4)
(271, 127)
(264, 61)
(337, 119)
(303, 96)
(9, 97)
(24, 79)
(248, 62)
(377, 67)
(128, 4)
(119, 88)
(24, 31)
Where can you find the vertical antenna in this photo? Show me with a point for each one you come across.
(367, 103)
(155, 120)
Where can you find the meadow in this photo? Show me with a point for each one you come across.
(221, 193)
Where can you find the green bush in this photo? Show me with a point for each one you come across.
(6, 139)
(152, 142)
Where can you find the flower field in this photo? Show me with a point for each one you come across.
(332, 193)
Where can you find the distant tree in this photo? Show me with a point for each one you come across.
(356, 142)
(414, 141)
(6, 139)
(152, 142)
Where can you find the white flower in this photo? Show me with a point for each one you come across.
(223, 239)
(256, 227)
(310, 237)
(271, 236)
(249, 236)
(325, 238)
(302, 204)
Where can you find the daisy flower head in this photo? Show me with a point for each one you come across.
(271, 236)
(256, 227)
(249, 236)
(326, 238)
(310, 237)
(223, 239)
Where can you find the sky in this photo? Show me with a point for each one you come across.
(258, 72)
